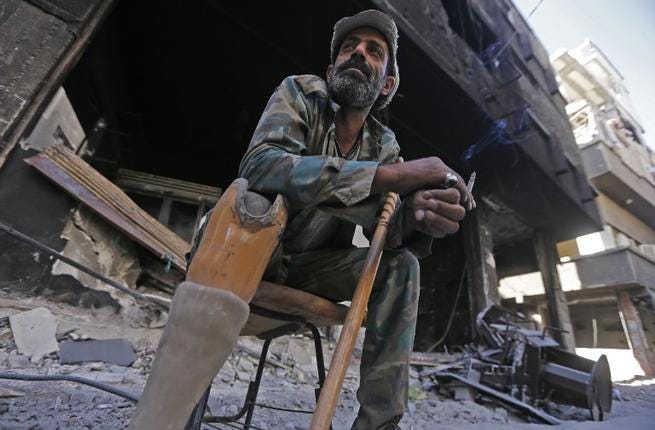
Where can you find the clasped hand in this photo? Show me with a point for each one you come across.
(429, 207)
(434, 212)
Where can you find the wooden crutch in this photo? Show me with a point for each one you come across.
(342, 354)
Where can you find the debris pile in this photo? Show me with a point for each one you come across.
(288, 382)
(524, 370)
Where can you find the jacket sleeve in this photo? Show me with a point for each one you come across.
(277, 160)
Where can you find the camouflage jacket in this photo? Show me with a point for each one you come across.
(293, 152)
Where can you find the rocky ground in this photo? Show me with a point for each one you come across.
(288, 382)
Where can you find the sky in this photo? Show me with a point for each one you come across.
(623, 29)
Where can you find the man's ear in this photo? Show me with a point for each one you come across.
(389, 82)
(329, 69)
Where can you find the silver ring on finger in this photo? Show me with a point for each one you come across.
(451, 180)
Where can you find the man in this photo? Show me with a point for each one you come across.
(319, 144)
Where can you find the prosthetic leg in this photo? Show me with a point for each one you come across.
(211, 307)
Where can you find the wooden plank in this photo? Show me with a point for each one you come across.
(89, 187)
(178, 190)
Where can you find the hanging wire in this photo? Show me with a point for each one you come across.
(452, 312)
(516, 31)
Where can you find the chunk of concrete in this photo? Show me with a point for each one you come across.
(462, 392)
(300, 354)
(34, 333)
(116, 351)
(8, 392)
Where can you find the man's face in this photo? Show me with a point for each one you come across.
(358, 75)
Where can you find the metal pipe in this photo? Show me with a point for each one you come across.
(35, 243)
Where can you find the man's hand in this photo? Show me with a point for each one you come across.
(434, 212)
(423, 174)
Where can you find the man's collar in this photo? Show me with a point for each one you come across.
(372, 133)
(376, 129)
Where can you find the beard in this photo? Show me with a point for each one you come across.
(350, 89)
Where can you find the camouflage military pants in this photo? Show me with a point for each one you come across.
(390, 323)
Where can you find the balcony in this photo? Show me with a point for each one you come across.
(617, 267)
(612, 176)
(597, 277)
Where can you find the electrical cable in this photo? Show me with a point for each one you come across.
(452, 313)
(59, 256)
(112, 390)
(516, 32)
(95, 384)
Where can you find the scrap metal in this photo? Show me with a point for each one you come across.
(525, 369)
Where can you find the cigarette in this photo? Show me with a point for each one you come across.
(471, 182)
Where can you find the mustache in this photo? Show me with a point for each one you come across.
(354, 63)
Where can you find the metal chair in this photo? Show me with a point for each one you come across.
(277, 311)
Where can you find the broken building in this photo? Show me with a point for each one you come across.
(165, 96)
(608, 277)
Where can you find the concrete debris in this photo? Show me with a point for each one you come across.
(93, 243)
(243, 376)
(34, 333)
(76, 336)
(251, 345)
(8, 392)
(246, 366)
(300, 355)
(287, 384)
(500, 414)
(18, 361)
(462, 392)
(117, 351)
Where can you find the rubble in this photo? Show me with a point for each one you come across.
(8, 392)
(94, 244)
(286, 383)
(34, 333)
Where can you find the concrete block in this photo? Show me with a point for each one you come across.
(463, 392)
(8, 392)
(300, 353)
(117, 351)
(34, 333)
(17, 361)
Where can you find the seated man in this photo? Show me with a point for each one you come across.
(319, 145)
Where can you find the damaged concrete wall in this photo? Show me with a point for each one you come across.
(35, 208)
(93, 243)
(44, 43)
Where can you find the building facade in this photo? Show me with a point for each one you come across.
(608, 276)
(172, 92)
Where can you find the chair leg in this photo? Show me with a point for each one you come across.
(251, 397)
(320, 362)
(195, 420)
(253, 388)
(318, 346)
